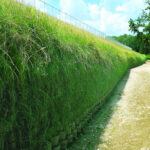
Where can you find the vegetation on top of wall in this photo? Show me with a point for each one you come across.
(53, 76)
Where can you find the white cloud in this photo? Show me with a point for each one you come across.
(120, 8)
(131, 7)
(28, 2)
(106, 21)
(66, 5)
(94, 11)
(77, 8)
(39, 5)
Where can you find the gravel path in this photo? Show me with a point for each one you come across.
(124, 121)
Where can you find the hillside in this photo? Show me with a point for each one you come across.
(53, 77)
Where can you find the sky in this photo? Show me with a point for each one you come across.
(108, 16)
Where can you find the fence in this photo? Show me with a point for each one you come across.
(49, 9)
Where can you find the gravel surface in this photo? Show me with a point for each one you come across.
(129, 127)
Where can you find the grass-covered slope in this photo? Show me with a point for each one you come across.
(52, 76)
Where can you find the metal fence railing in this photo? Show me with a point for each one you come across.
(49, 9)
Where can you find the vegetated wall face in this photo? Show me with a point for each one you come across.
(52, 77)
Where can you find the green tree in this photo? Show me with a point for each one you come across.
(128, 40)
(141, 27)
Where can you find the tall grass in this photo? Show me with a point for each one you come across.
(148, 56)
(52, 76)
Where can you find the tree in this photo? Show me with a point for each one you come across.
(128, 40)
(141, 27)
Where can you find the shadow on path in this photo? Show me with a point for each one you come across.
(90, 138)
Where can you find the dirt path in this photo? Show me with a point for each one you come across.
(124, 121)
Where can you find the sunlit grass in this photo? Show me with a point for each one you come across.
(148, 56)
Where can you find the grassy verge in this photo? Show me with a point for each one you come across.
(52, 77)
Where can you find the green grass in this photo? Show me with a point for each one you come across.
(52, 75)
(148, 56)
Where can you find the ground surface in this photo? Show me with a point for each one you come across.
(124, 121)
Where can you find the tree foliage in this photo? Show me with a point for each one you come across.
(128, 40)
(141, 27)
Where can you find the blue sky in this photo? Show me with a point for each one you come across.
(109, 16)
